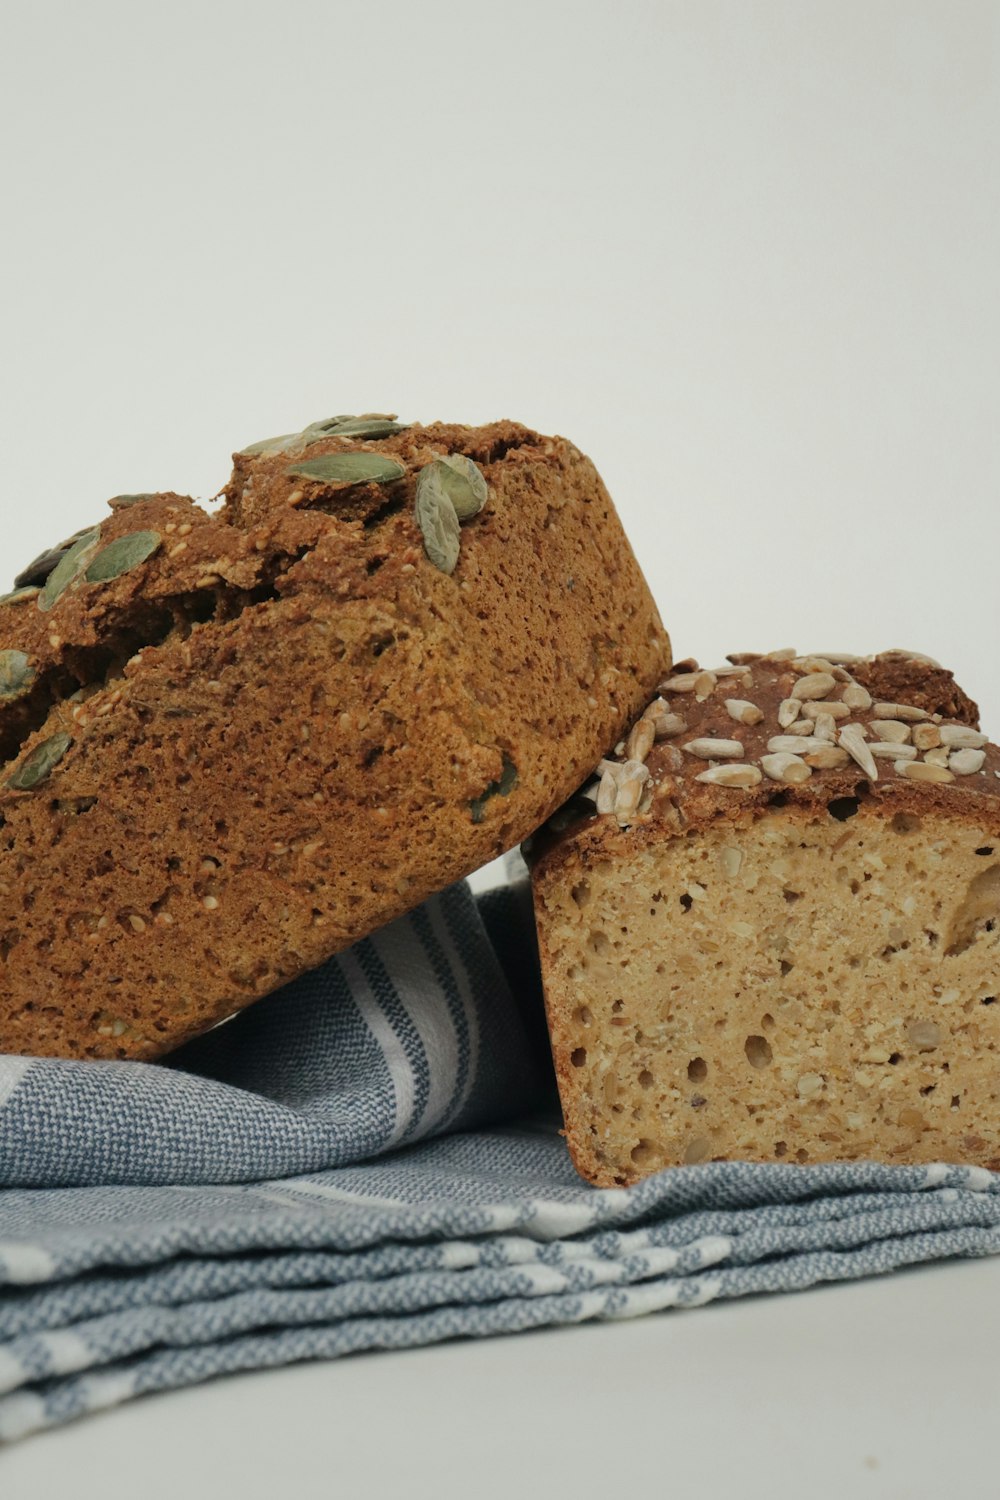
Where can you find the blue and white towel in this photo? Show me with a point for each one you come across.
(284, 1189)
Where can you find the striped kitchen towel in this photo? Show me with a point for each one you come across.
(284, 1190)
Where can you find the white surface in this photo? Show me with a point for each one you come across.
(744, 253)
(878, 1390)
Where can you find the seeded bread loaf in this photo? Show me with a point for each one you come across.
(231, 744)
(770, 930)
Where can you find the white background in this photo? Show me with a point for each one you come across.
(743, 252)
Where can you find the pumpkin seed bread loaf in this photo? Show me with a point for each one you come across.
(231, 744)
(770, 929)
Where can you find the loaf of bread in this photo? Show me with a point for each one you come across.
(233, 743)
(770, 930)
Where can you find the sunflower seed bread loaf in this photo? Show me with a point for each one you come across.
(770, 929)
(232, 744)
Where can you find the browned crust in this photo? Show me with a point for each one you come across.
(289, 725)
(683, 805)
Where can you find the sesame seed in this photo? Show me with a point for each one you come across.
(210, 903)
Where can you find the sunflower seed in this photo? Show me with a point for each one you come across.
(607, 791)
(919, 770)
(811, 664)
(349, 468)
(788, 711)
(785, 744)
(463, 483)
(892, 750)
(438, 520)
(788, 768)
(938, 756)
(785, 654)
(663, 721)
(122, 555)
(16, 675)
(68, 568)
(640, 740)
(687, 683)
(899, 651)
(852, 738)
(900, 711)
(815, 685)
(20, 596)
(829, 706)
(630, 787)
(966, 762)
(961, 737)
(825, 728)
(709, 749)
(926, 736)
(803, 727)
(743, 711)
(40, 763)
(892, 731)
(739, 776)
(856, 697)
(830, 758)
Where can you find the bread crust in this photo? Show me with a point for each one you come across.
(681, 804)
(288, 727)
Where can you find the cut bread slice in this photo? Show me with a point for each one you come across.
(804, 967)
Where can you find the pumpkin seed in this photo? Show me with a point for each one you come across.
(366, 427)
(16, 675)
(40, 763)
(122, 502)
(501, 788)
(68, 568)
(122, 555)
(349, 468)
(20, 595)
(371, 425)
(438, 520)
(463, 481)
(268, 445)
(38, 571)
